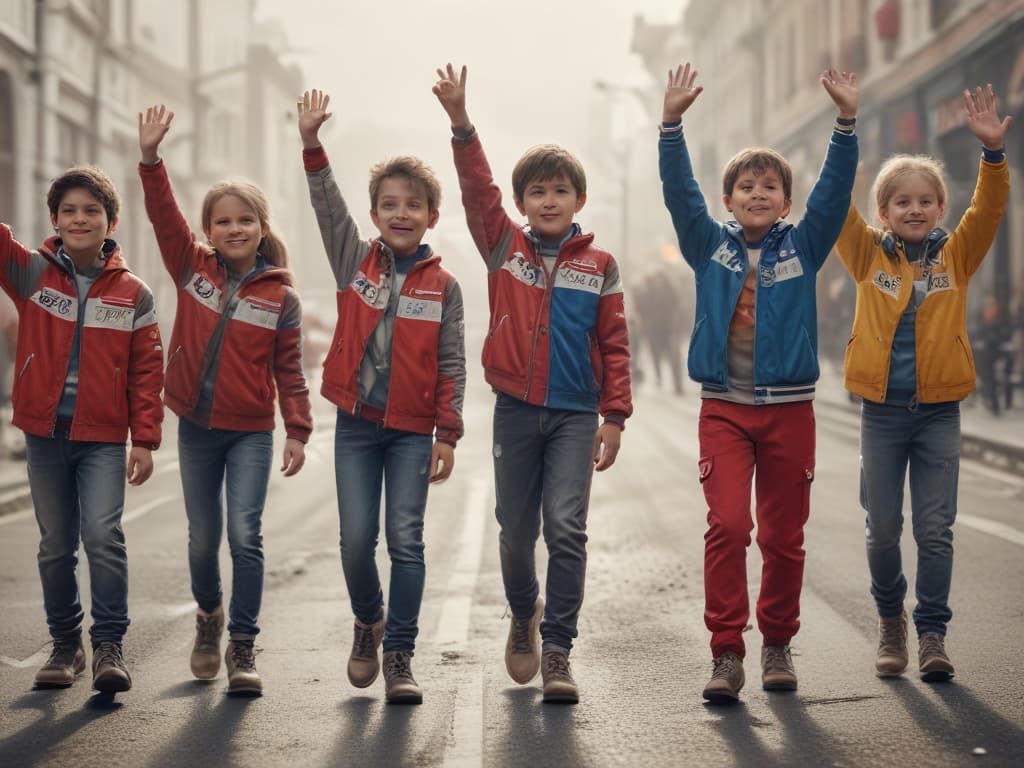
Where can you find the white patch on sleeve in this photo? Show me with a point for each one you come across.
(419, 309)
(58, 304)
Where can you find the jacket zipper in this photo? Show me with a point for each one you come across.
(24, 366)
(548, 283)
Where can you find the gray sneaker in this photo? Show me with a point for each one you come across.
(934, 664)
(363, 662)
(777, 672)
(66, 662)
(726, 681)
(205, 659)
(399, 685)
(240, 660)
(522, 650)
(892, 645)
(109, 673)
(559, 685)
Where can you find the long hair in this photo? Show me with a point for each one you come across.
(272, 247)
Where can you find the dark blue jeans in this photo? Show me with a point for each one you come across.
(543, 464)
(927, 439)
(367, 455)
(78, 491)
(216, 463)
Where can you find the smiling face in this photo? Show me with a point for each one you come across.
(402, 214)
(235, 231)
(913, 209)
(549, 206)
(757, 201)
(81, 222)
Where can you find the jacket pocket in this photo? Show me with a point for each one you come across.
(596, 363)
(19, 383)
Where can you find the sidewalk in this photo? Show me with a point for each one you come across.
(997, 441)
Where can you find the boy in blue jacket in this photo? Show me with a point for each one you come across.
(754, 351)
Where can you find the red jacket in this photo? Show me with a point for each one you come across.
(558, 342)
(120, 360)
(428, 376)
(261, 339)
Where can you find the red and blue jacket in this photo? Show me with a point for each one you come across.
(558, 343)
(260, 333)
(121, 356)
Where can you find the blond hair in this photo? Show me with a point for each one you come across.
(271, 247)
(898, 167)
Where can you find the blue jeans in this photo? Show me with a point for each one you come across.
(365, 455)
(543, 464)
(216, 462)
(78, 490)
(928, 439)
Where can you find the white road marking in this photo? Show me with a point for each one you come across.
(17, 516)
(34, 660)
(993, 528)
(465, 744)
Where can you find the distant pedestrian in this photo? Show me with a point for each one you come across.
(754, 351)
(992, 338)
(236, 345)
(910, 361)
(88, 373)
(557, 355)
(396, 371)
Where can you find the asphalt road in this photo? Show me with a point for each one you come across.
(641, 659)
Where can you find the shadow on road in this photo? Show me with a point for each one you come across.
(739, 729)
(373, 733)
(40, 741)
(211, 727)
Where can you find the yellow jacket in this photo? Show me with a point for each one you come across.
(875, 259)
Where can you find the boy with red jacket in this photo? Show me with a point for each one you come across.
(557, 354)
(89, 370)
(397, 372)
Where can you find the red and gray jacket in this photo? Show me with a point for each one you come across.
(428, 360)
(558, 342)
(259, 334)
(121, 357)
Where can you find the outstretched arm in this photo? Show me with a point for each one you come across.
(152, 130)
(451, 92)
(312, 109)
(983, 117)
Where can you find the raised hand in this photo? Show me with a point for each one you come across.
(842, 88)
(680, 93)
(152, 130)
(312, 109)
(983, 117)
(451, 92)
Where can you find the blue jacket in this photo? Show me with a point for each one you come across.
(786, 321)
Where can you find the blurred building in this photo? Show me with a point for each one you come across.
(760, 64)
(75, 73)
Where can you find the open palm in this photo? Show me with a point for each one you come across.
(680, 92)
(983, 117)
(152, 129)
(312, 114)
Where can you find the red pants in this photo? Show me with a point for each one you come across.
(779, 441)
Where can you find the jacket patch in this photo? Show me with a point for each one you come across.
(727, 257)
(102, 312)
(259, 312)
(371, 293)
(886, 283)
(784, 269)
(419, 309)
(941, 281)
(523, 271)
(57, 304)
(569, 277)
(204, 291)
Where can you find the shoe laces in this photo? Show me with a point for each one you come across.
(364, 644)
(207, 631)
(892, 632)
(63, 653)
(725, 666)
(520, 635)
(397, 665)
(778, 657)
(243, 655)
(108, 653)
(556, 664)
(932, 644)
